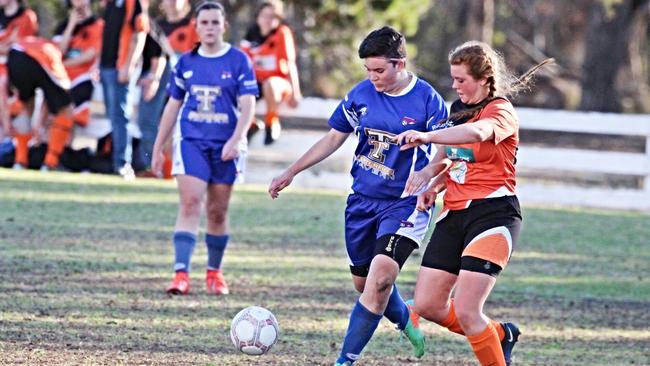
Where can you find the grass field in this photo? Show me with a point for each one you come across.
(84, 260)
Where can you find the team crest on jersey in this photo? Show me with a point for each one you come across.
(188, 74)
(226, 75)
(408, 121)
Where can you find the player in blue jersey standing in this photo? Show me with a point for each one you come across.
(212, 99)
(382, 224)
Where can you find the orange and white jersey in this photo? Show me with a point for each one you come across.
(271, 54)
(21, 24)
(86, 36)
(484, 169)
(48, 55)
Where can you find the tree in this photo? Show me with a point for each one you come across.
(610, 31)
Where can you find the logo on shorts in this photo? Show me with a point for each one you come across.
(408, 121)
(405, 223)
(487, 265)
(389, 247)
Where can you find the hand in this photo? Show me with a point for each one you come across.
(123, 74)
(411, 138)
(417, 181)
(426, 200)
(73, 18)
(230, 150)
(294, 100)
(279, 183)
(157, 161)
(149, 88)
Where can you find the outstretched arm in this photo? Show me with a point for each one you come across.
(467, 133)
(317, 153)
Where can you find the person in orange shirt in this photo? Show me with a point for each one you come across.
(33, 63)
(79, 38)
(479, 225)
(16, 22)
(271, 47)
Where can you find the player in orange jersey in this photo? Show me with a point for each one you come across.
(37, 63)
(16, 22)
(480, 220)
(80, 39)
(270, 44)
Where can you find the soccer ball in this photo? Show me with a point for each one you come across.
(254, 330)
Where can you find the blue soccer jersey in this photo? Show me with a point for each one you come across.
(209, 87)
(380, 169)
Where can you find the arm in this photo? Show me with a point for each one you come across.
(479, 131)
(64, 41)
(427, 198)
(151, 82)
(167, 122)
(317, 153)
(231, 148)
(135, 51)
(422, 178)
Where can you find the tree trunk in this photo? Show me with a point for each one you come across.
(606, 51)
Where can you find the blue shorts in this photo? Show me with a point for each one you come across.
(368, 219)
(202, 159)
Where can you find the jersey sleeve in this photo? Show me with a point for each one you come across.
(29, 24)
(344, 118)
(247, 84)
(288, 49)
(436, 110)
(176, 88)
(503, 118)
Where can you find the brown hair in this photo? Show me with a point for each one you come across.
(276, 5)
(484, 62)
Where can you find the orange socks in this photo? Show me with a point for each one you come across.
(487, 347)
(451, 322)
(22, 149)
(58, 138)
(271, 118)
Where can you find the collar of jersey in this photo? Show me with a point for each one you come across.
(222, 51)
(408, 88)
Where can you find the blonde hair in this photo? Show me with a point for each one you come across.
(484, 62)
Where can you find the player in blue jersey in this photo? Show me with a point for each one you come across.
(382, 224)
(208, 87)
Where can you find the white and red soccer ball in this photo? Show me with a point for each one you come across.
(254, 330)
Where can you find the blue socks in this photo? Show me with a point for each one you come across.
(216, 246)
(360, 329)
(184, 243)
(396, 310)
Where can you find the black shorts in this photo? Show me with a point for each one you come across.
(82, 92)
(26, 74)
(480, 238)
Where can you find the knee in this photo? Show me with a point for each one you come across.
(216, 214)
(190, 206)
(466, 314)
(434, 311)
(383, 284)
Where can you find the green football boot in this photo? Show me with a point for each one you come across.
(413, 332)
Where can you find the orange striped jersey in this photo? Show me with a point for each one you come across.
(181, 35)
(484, 169)
(48, 55)
(271, 54)
(122, 19)
(86, 36)
(23, 23)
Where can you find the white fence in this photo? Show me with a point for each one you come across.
(313, 112)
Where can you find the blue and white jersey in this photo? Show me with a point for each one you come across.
(380, 169)
(209, 87)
